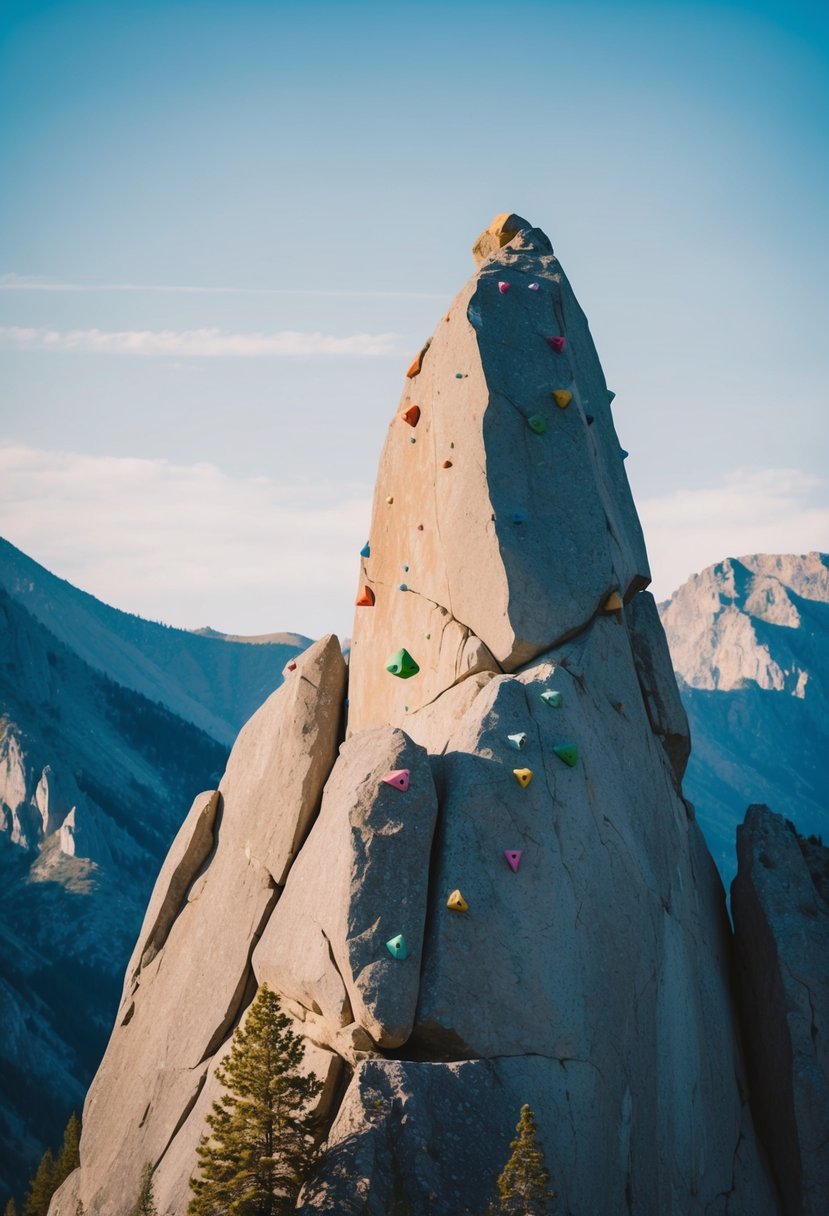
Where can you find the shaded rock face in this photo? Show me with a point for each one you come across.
(781, 921)
(585, 973)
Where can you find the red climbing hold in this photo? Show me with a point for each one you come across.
(411, 415)
(513, 857)
(399, 779)
(503, 288)
(558, 344)
(291, 667)
(365, 599)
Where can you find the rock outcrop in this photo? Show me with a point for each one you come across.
(781, 922)
(503, 898)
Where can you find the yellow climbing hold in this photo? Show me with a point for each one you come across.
(523, 776)
(390, 499)
(457, 902)
(562, 398)
(613, 603)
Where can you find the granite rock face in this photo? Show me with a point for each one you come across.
(781, 921)
(526, 913)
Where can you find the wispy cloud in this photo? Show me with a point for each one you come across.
(199, 343)
(28, 282)
(750, 511)
(189, 544)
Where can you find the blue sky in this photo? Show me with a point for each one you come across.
(224, 227)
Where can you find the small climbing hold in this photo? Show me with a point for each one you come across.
(610, 396)
(397, 946)
(513, 857)
(613, 603)
(562, 398)
(523, 776)
(404, 587)
(412, 440)
(552, 698)
(390, 499)
(402, 665)
(411, 415)
(420, 527)
(365, 599)
(461, 375)
(427, 636)
(399, 779)
(451, 445)
(366, 550)
(558, 344)
(503, 288)
(518, 517)
(417, 362)
(568, 752)
(532, 287)
(291, 667)
(518, 741)
(537, 423)
(447, 464)
(624, 453)
(405, 569)
(457, 902)
(590, 419)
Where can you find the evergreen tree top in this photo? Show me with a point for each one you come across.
(524, 1185)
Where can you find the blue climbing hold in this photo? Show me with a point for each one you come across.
(366, 550)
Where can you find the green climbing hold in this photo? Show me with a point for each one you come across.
(537, 423)
(397, 947)
(568, 752)
(404, 586)
(554, 699)
(402, 665)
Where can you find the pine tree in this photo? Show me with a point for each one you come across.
(524, 1184)
(69, 1157)
(41, 1187)
(260, 1146)
(10, 1208)
(145, 1203)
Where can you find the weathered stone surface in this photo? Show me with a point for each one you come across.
(360, 880)
(463, 517)
(180, 1006)
(434, 724)
(781, 923)
(654, 668)
(499, 233)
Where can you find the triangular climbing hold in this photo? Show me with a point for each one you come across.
(411, 415)
(365, 599)
(390, 499)
(624, 453)
(558, 344)
(420, 527)
(402, 665)
(519, 517)
(562, 398)
(568, 752)
(523, 776)
(517, 741)
(417, 362)
(610, 395)
(552, 698)
(447, 464)
(366, 550)
(457, 902)
(503, 288)
(513, 857)
(532, 287)
(537, 423)
(397, 946)
(399, 779)
(590, 419)
(291, 667)
(613, 603)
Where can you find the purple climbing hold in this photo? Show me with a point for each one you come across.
(399, 779)
(513, 857)
(532, 287)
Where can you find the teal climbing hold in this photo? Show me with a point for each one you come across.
(537, 423)
(518, 740)
(397, 947)
(519, 517)
(366, 550)
(610, 395)
(406, 569)
(554, 699)
(404, 586)
(402, 665)
(568, 752)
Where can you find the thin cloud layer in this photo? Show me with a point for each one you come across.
(199, 343)
(28, 282)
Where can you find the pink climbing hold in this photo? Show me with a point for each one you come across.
(399, 779)
(558, 344)
(503, 288)
(513, 857)
(532, 287)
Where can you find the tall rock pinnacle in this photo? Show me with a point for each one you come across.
(494, 894)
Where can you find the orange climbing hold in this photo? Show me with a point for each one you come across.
(562, 398)
(411, 415)
(365, 599)
(447, 464)
(417, 362)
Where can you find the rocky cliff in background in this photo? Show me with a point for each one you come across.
(749, 640)
(94, 780)
(493, 893)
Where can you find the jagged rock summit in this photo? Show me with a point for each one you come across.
(508, 660)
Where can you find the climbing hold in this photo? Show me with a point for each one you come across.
(523, 776)
(590, 419)
(365, 599)
(417, 362)
(610, 396)
(420, 527)
(397, 946)
(513, 857)
(406, 569)
(554, 699)
(427, 636)
(457, 902)
(399, 779)
(568, 752)
(402, 665)
(390, 499)
(562, 398)
(532, 287)
(411, 415)
(404, 587)
(366, 550)
(518, 741)
(613, 603)
(291, 667)
(558, 344)
(412, 440)
(447, 464)
(518, 517)
(503, 288)
(624, 453)
(537, 423)
(451, 445)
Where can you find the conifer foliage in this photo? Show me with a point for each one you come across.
(260, 1145)
(145, 1203)
(524, 1184)
(41, 1187)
